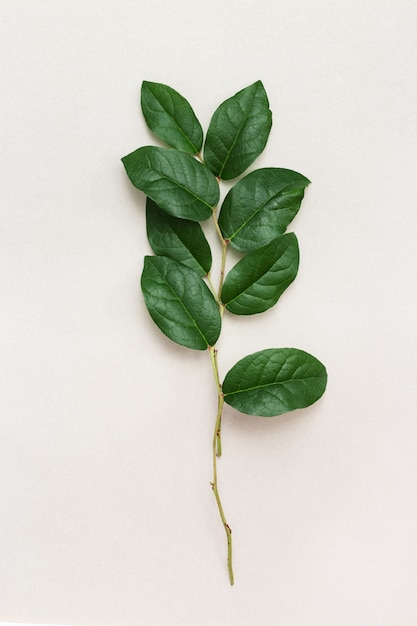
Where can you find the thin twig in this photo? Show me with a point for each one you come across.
(216, 435)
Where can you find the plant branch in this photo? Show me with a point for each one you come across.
(216, 453)
(213, 354)
(210, 283)
(224, 243)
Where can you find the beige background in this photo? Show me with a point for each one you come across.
(106, 514)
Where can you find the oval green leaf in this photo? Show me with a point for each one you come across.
(179, 239)
(170, 117)
(180, 303)
(178, 183)
(238, 132)
(256, 282)
(274, 381)
(260, 206)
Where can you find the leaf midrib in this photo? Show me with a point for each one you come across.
(182, 304)
(258, 278)
(172, 180)
(248, 389)
(176, 123)
(238, 132)
(253, 215)
(191, 253)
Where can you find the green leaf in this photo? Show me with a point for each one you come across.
(260, 206)
(179, 239)
(256, 282)
(178, 183)
(238, 132)
(170, 116)
(180, 303)
(274, 381)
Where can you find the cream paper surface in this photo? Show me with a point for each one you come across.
(106, 512)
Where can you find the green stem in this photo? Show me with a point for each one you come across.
(221, 309)
(216, 453)
(210, 283)
(213, 354)
(224, 243)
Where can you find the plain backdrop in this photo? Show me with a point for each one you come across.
(106, 512)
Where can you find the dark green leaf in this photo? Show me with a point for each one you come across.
(179, 239)
(260, 206)
(238, 132)
(178, 183)
(169, 115)
(256, 282)
(180, 303)
(274, 381)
